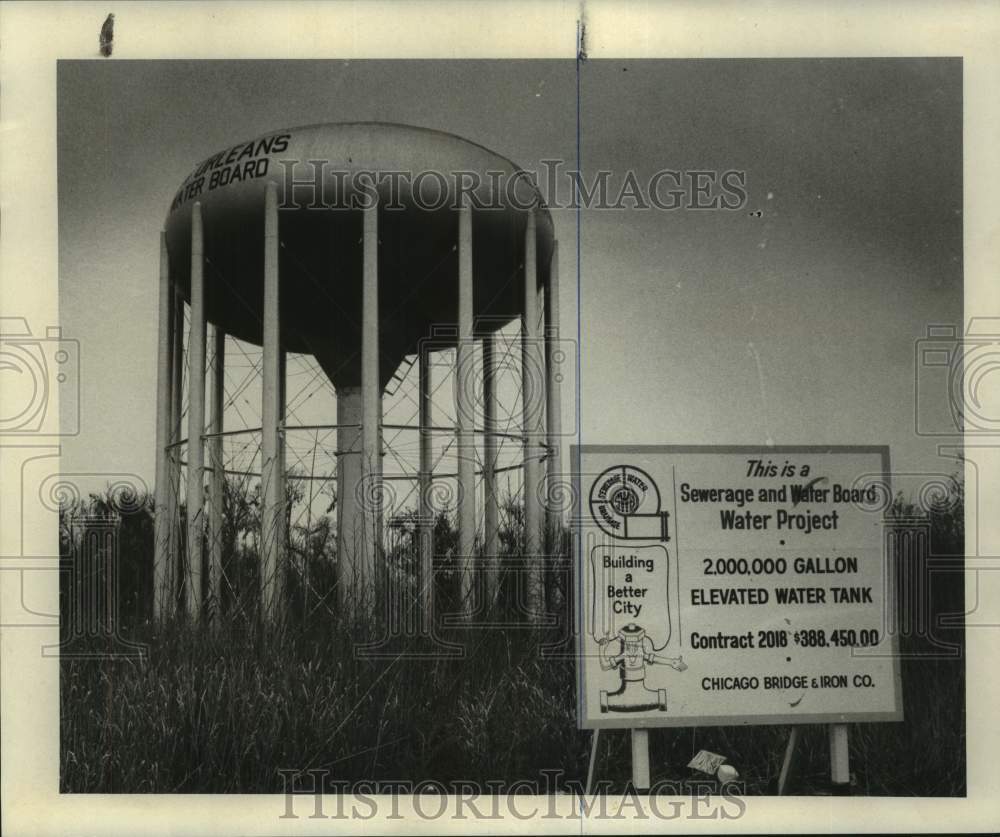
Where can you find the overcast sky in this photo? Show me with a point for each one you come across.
(792, 320)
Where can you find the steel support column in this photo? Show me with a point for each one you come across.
(194, 589)
(350, 512)
(491, 499)
(555, 362)
(282, 452)
(531, 409)
(465, 414)
(217, 477)
(369, 561)
(164, 380)
(425, 478)
(174, 457)
(271, 482)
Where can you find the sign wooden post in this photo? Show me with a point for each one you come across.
(594, 740)
(788, 763)
(640, 759)
(840, 763)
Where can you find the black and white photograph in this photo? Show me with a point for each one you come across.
(581, 438)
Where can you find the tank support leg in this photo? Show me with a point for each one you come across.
(174, 459)
(162, 606)
(283, 505)
(272, 488)
(491, 499)
(217, 476)
(426, 476)
(193, 597)
(368, 562)
(465, 415)
(554, 363)
(531, 410)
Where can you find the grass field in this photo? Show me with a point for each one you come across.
(223, 714)
(210, 715)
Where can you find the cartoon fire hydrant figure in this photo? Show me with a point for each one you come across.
(634, 651)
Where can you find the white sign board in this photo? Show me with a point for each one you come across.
(723, 585)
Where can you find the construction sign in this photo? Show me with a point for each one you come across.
(722, 585)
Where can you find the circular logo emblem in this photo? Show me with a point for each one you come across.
(621, 492)
(625, 501)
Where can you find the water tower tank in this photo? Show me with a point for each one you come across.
(289, 238)
(321, 241)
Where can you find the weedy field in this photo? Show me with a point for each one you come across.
(224, 713)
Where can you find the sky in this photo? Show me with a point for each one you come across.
(794, 319)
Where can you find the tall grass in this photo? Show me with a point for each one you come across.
(214, 715)
(222, 712)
